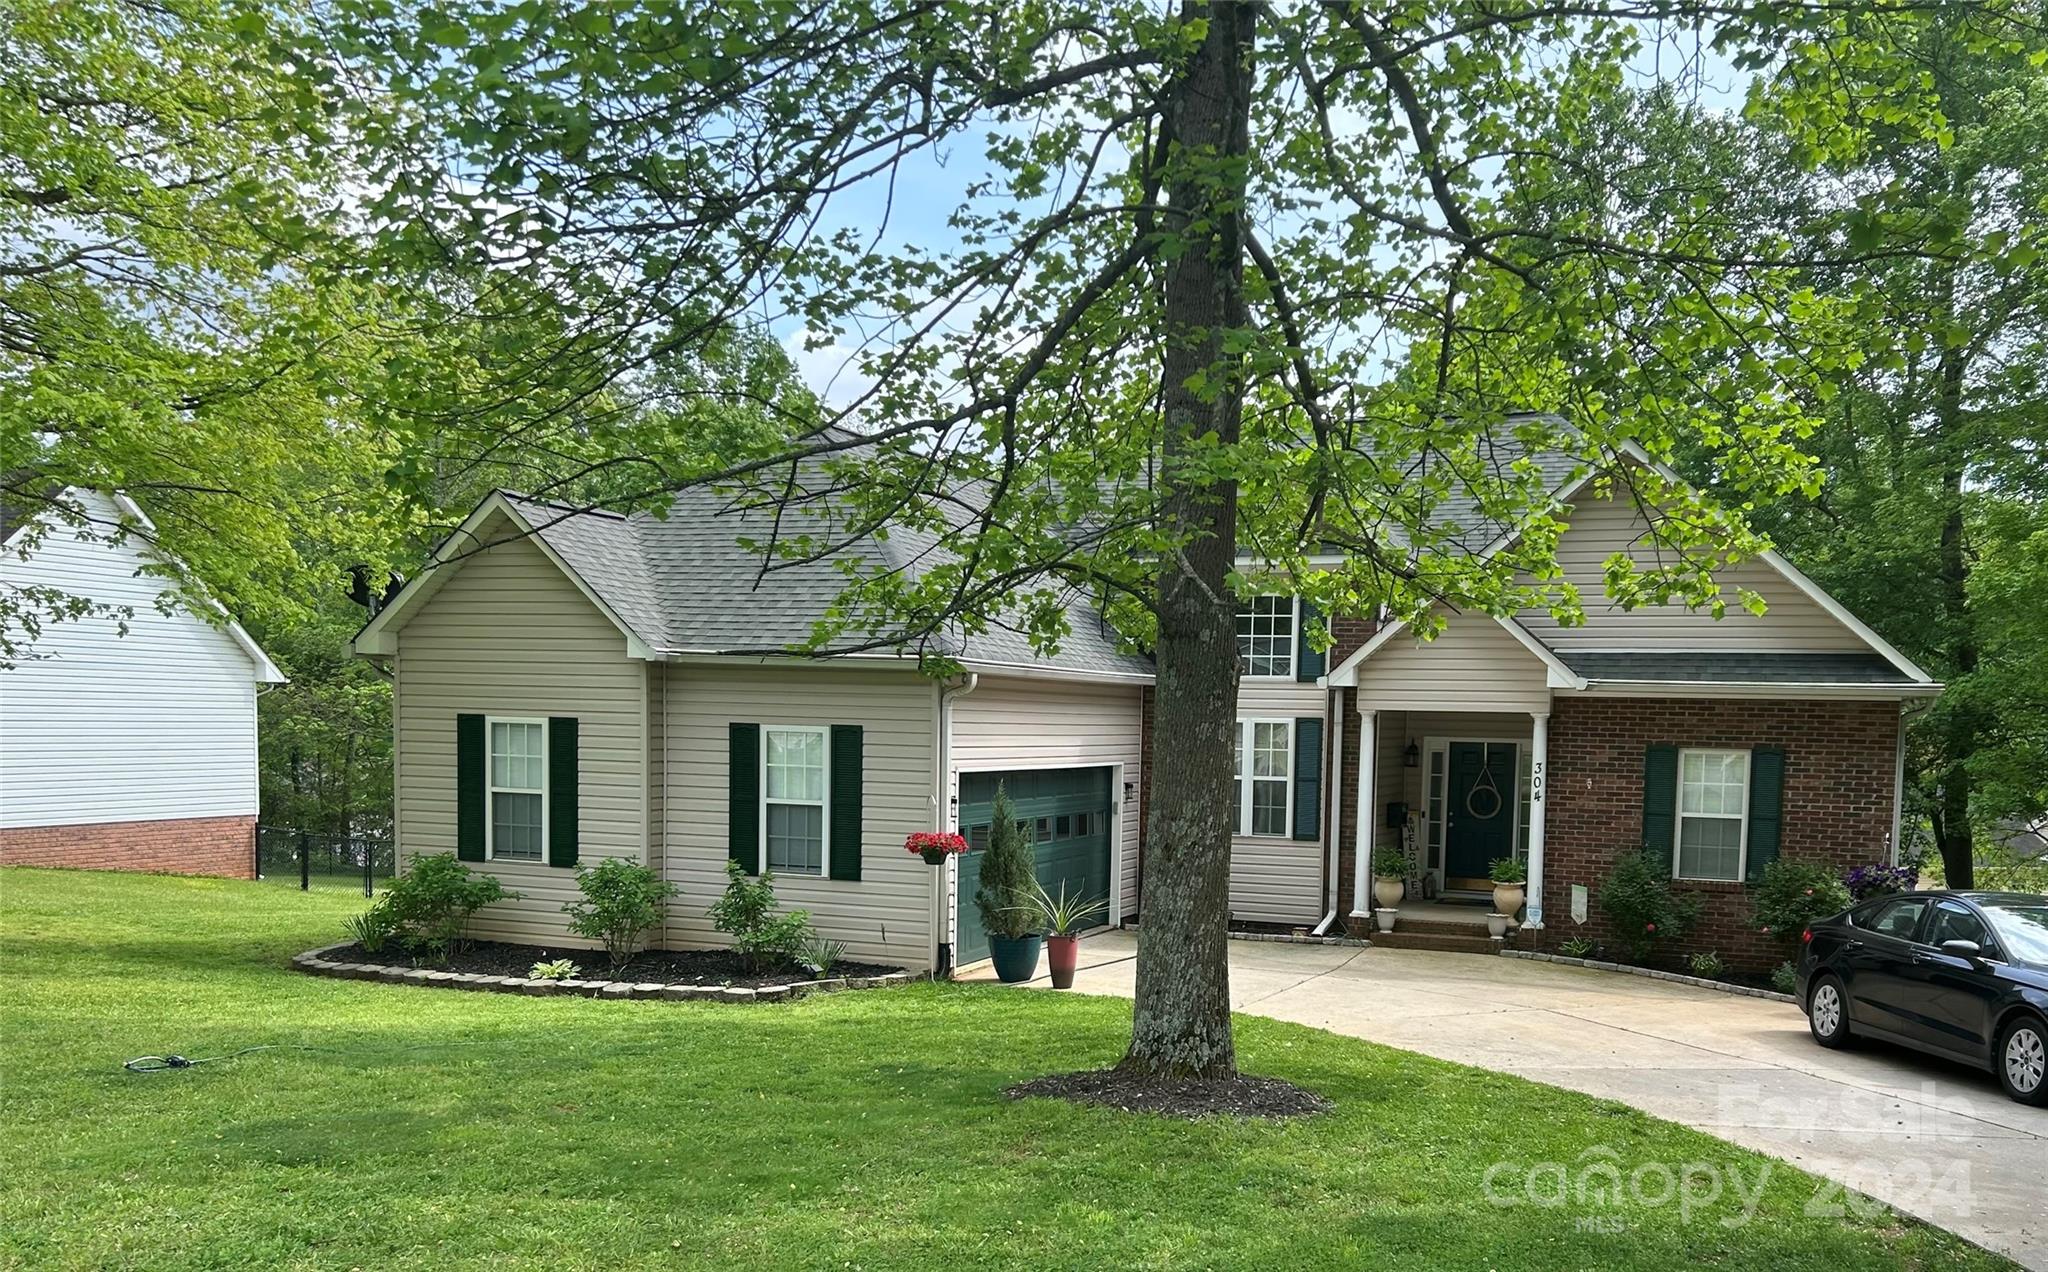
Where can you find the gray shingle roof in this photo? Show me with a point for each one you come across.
(1757, 668)
(685, 583)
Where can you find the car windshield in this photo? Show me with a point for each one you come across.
(2022, 930)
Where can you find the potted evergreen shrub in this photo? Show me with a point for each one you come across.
(1510, 886)
(1009, 873)
(1389, 876)
(1064, 918)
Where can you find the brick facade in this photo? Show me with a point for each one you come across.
(223, 846)
(1840, 768)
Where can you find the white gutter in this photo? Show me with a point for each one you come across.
(942, 812)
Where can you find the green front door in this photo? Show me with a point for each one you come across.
(1066, 814)
(1479, 811)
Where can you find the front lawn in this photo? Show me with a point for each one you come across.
(440, 1129)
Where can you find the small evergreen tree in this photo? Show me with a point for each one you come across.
(1008, 870)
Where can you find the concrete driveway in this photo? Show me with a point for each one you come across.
(1935, 1140)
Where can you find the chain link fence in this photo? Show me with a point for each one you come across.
(308, 859)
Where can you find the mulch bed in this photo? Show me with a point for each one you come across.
(1186, 1098)
(669, 967)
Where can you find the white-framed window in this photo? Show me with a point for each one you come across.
(793, 786)
(1713, 815)
(1265, 777)
(1265, 636)
(516, 828)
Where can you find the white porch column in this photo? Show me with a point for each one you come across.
(1368, 761)
(1539, 788)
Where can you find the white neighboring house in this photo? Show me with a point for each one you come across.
(124, 752)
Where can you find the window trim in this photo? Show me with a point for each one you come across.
(491, 788)
(823, 804)
(1741, 819)
(1246, 732)
(1293, 637)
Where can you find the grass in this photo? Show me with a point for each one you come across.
(441, 1129)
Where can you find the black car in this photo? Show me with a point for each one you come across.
(1956, 974)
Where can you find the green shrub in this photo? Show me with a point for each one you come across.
(372, 927)
(556, 969)
(1389, 862)
(1707, 965)
(1009, 875)
(622, 902)
(1793, 894)
(746, 913)
(1785, 978)
(1507, 870)
(1576, 947)
(430, 903)
(1638, 899)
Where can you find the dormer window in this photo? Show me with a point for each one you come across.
(1265, 636)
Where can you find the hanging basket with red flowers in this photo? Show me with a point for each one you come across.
(935, 845)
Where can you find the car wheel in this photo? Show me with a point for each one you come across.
(2022, 1060)
(1827, 1012)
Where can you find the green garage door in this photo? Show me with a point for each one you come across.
(1066, 812)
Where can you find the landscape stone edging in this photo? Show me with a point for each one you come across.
(315, 963)
(1600, 965)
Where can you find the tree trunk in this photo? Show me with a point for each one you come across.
(1181, 1019)
(1959, 734)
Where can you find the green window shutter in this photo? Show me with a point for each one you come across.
(1308, 777)
(562, 790)
(844, 813)
(1766, 804)
(743, 796)
(1660, 799)
(1309, 662)
(470, 794)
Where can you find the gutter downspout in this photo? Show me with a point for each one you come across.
(942, 820)
(1908, 708)
(1333, 706)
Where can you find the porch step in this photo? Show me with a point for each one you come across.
(1403, 939)
(1441, 927)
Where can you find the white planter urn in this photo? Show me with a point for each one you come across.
(1507, 899)
(1388, 890)
(1497, 926)
(1385, 917)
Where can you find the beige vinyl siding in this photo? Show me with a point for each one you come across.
(1276, 880)
(509, 635)
(886, 916)
(1473, 664)
(1791, 623)
(1014, 723)
(1392, 779)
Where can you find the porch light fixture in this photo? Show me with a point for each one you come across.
(1412, 757)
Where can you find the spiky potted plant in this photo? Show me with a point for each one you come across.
(1064, 918)
(1009, 871)
(1510, 886)
(1389, 876)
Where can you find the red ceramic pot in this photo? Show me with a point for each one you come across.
(1062, 953)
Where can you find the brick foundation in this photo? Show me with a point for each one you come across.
(223, 846)
(1839, 771)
